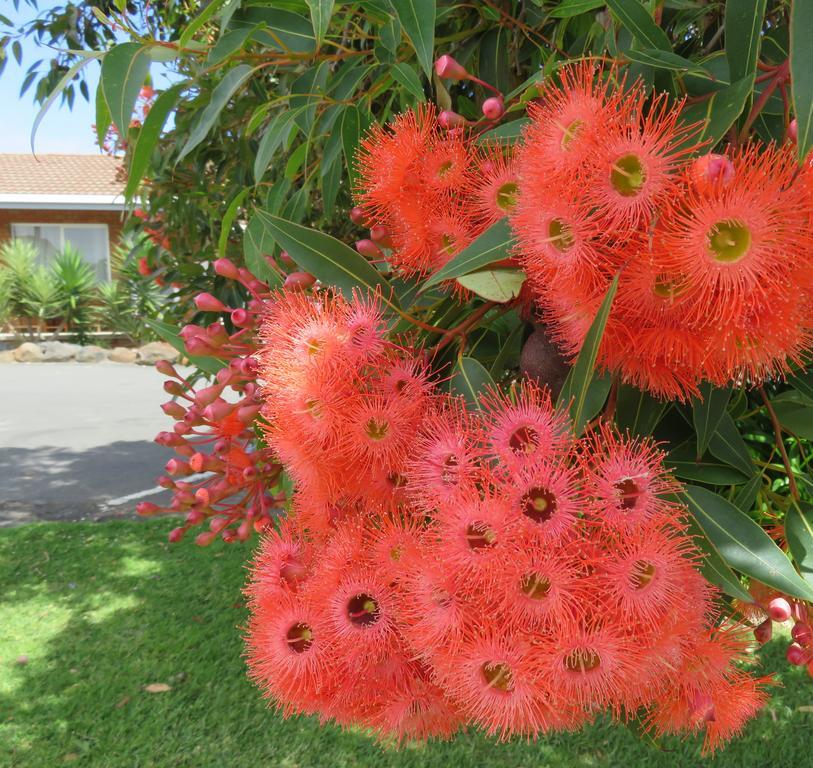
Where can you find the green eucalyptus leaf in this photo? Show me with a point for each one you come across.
(326, 258)
(124, 69)
(500, 285)
(470, 379)
(417, 18)
(799, 535)
(801, 73)
(743, 35)
(493, 245)
(743, 544)
(707, 411)
(575, 391)
(727, 445)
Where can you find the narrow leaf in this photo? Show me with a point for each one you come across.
(417, 17)
(328, 259)
(223, 91)
(638, 411)
(148, 137)
(275, 136)
(747, 494)
(321, 11)
(492, 246)
(801, 73)
(60, 86)
(408, 77)
(506, 133)
(728, 446)
(718, 113)
(102, 115)
(568, 8)
(124, 69)
(228, 219)
(743, 544)
(258, 245)
(634, 15)
(652, 57)
(796, 417)
(707, 412)
(743, 27)
(714, 568)
(577, 385)
(469, 379)
(799, 535)
(210, 10)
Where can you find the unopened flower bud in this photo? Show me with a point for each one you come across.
(763, 632)
(248, 413)
(176, 467)
(217, 524)
(448, 119)
(173, 409)
(710, 172)
(286, 260)
(176, 534)
(368, 249)
(173, 388)
(357, 216)
(381, 235)
(249, 366)
(227, 268)
(166, 368)
(802, 633)
(205, 539)
(240, 318)
(449, 69)
(218, 411)
(205, 302)
(207, 395)
(493, 108)
(795, 654)
(298, 281)
(779, 609)
(793, 131)
(147, 508)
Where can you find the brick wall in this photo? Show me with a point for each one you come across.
(10, 216)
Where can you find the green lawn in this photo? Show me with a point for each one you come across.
(103, 610)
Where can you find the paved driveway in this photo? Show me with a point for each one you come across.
(75, 440)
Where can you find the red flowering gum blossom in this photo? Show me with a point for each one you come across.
(443, 568)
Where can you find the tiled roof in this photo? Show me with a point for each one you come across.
(61, 175)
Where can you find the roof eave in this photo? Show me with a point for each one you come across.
(63, 202)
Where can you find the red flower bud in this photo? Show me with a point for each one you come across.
(176, 534)
(286, 260)
(795, 654)
(205, 539)
(763, 632)
(166, 368)
(381, 235)
(240, 318)
(357, 216)
(793, 131)
(227, 268)
(205, 302)
(368, 249)
(173, 409)
(779, 609)
(802, 633)
(298, 281)
(447, 68)
(147, 508)
(448, 119)
(493, 108)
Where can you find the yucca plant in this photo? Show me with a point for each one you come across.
(125, 302)
(17, 266)
(76, 283)
(42, 299)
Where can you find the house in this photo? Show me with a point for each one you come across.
(54, 200)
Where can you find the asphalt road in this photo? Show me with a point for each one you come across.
(76, 440)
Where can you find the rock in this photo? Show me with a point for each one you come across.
(28, 352)
(123, 355)
(58, 351)
(91, 354)
(151, 353)
(7, 356)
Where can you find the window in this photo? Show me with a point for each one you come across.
(91, 240)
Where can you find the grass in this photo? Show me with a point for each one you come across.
(102, 610)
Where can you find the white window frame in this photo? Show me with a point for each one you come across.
(62, 225)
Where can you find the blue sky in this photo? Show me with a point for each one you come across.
(62, 130)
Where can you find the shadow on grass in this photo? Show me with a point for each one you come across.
(103, 610)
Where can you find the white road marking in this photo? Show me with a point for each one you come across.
(151, 491)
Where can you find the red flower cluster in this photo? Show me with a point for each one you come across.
(427, 192)
(220, 476)
(440, 568)
(715, 254)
